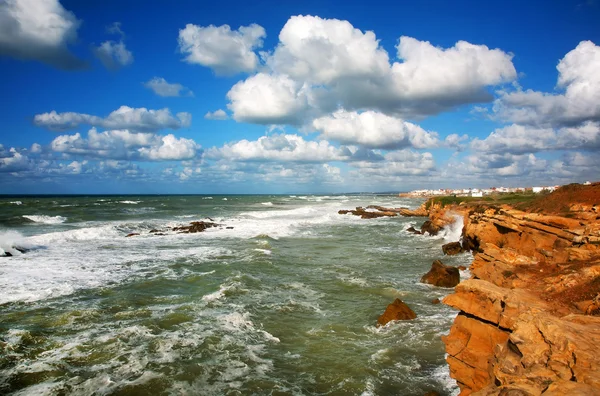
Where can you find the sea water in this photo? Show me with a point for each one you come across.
(283, 303)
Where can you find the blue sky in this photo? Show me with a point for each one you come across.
(313, 96)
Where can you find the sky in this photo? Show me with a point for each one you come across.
(197, 97)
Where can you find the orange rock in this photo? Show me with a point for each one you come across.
(397, 310)
(442, 275)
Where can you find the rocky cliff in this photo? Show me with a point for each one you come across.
(527, 323)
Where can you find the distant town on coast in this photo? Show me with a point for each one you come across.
(480, 192)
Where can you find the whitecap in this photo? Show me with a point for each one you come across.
(267, 203)
(46, 219)
(16, 203)
(130, 202)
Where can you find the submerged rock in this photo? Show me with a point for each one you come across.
(397, 310)
(131, 234)
(452, 248)
(412, 230)
(441, 275)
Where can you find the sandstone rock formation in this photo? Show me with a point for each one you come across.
(452, 248)
(441, 275)
(397, 310)
(526, 323)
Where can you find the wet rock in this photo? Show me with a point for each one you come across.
(452, 248)
(131, 234)
(194, 227)
(461, 268)
(430, 228)
(229, 228)
(412, 229)
(397, 310)
(154, 231)
(435, 301)
(364, 214)
(442, 275)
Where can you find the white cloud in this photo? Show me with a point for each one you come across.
(375, 130)
(322, 51)
(520, 139)
(395, 166)
(287, 148)
(170, 148)
(13, 161)
(225, 51)
(123, 144)
(140, 119)
(36, 148)
(113, 55)
(578, 76)
(39, 30)
(161, 87)
(320, 65)
(268, 99)
(216, 115)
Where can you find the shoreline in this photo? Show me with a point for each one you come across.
(526, 320)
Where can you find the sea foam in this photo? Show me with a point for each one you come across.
(43, 219)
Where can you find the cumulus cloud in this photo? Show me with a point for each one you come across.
(225, 51)
(216, 115)
(39, 30)
(284, 147)
(520, 139)
(123, 144)
(161, 87)
(579, 78)
(398, 163)
(13, 161)
(140, 119)
(374, 130)
(322, 64)
(269, 99)
(114, 54)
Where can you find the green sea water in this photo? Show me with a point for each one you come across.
(283, 303)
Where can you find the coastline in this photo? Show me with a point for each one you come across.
(526, 321)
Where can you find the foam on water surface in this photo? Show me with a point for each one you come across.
(284, 301)
(46, 219)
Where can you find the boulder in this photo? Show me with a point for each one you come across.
(194, 227)
(412, 230)
(430, 228)
(397, 310)
(452, 248)
(435, 301)
(131, 234)
(442, 275)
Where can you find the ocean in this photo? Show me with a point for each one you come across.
(283, 303)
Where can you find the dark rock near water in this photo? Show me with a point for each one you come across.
(194, 227)
(442, 275)
(435, 301)
(412, 229)
(397, 310)
(452, 248)
(364, 214)
(131, 234)
(229, 228)
(430, 228)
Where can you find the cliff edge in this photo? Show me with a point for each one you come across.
(529, 319)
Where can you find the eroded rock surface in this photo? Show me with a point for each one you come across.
(527, 321)
(441, 275)
(397, 310)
